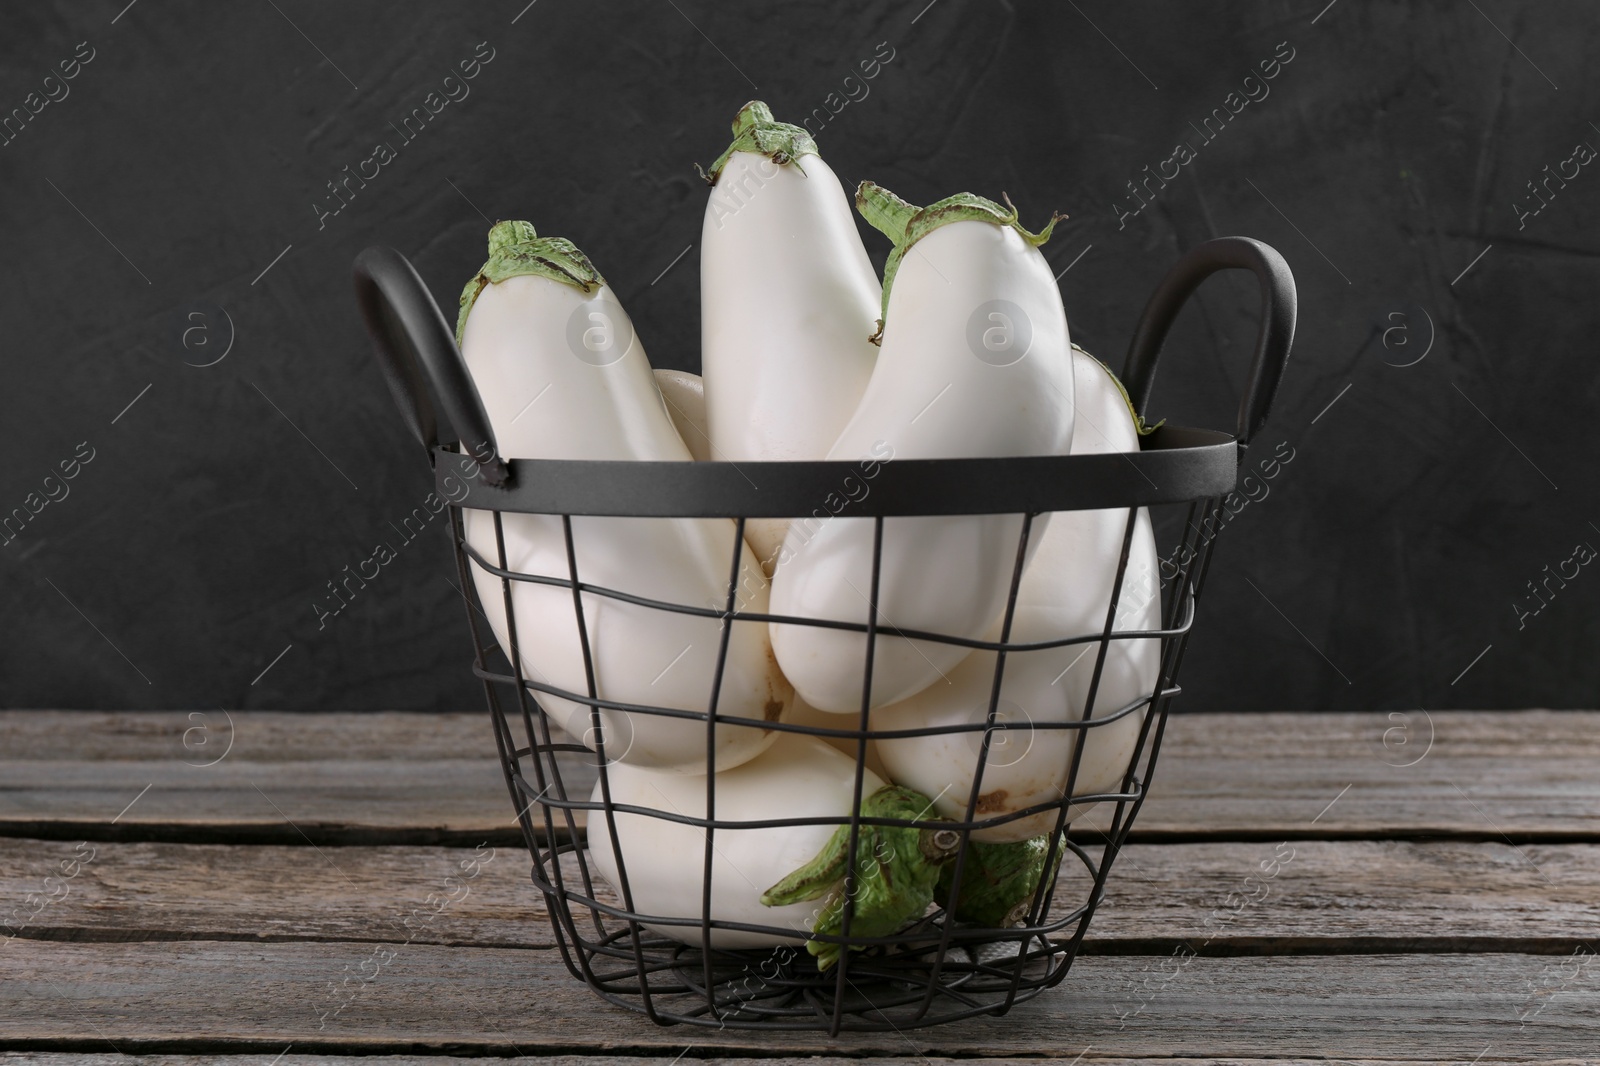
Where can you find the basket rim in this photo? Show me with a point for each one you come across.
(1175, 464)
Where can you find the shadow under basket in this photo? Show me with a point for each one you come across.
(934, 970)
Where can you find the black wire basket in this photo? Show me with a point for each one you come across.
(934, 969)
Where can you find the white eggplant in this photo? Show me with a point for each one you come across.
(798, 777)
(975, 362)
(685, 397)
(555, 359)
(787, 303)
(1066, 591)
(802, 713)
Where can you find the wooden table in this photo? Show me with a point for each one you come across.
(1442, 902)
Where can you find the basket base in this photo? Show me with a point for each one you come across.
(783, 989)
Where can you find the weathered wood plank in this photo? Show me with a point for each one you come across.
(377, 778)
(1484, 774)
(1352, 895)
(229, 997)
(258, 736)
(49, 1058)
(77, 1058)
(253, 776)
(1321, 896)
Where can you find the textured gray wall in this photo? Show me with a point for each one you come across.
(157, 189)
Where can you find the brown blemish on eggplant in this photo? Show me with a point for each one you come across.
(990, 802)
(779, 692)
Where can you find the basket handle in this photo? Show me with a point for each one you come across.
(1273, 340)
(416, 350)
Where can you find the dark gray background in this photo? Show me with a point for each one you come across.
(1388, 155)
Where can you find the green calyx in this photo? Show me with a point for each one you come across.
(905, 224)
(1138, 419)
(998, 882)
(755, 130)
(515, 248)
(897, 869)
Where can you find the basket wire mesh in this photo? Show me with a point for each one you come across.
(933, 970)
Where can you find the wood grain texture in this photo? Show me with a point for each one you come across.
(253, 776)
(1526, 774)
(415, 778)
(1326, 896)
(229, 997)
(51, 1058)
(58, 1058)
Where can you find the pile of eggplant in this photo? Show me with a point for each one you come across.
(961, 350)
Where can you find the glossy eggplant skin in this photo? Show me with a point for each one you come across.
(1065, 592)
(797, 777)
(975, 361)
(788, 302)
(685, 397)
(563, 375)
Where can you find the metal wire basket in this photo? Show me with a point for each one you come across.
(932, 970)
